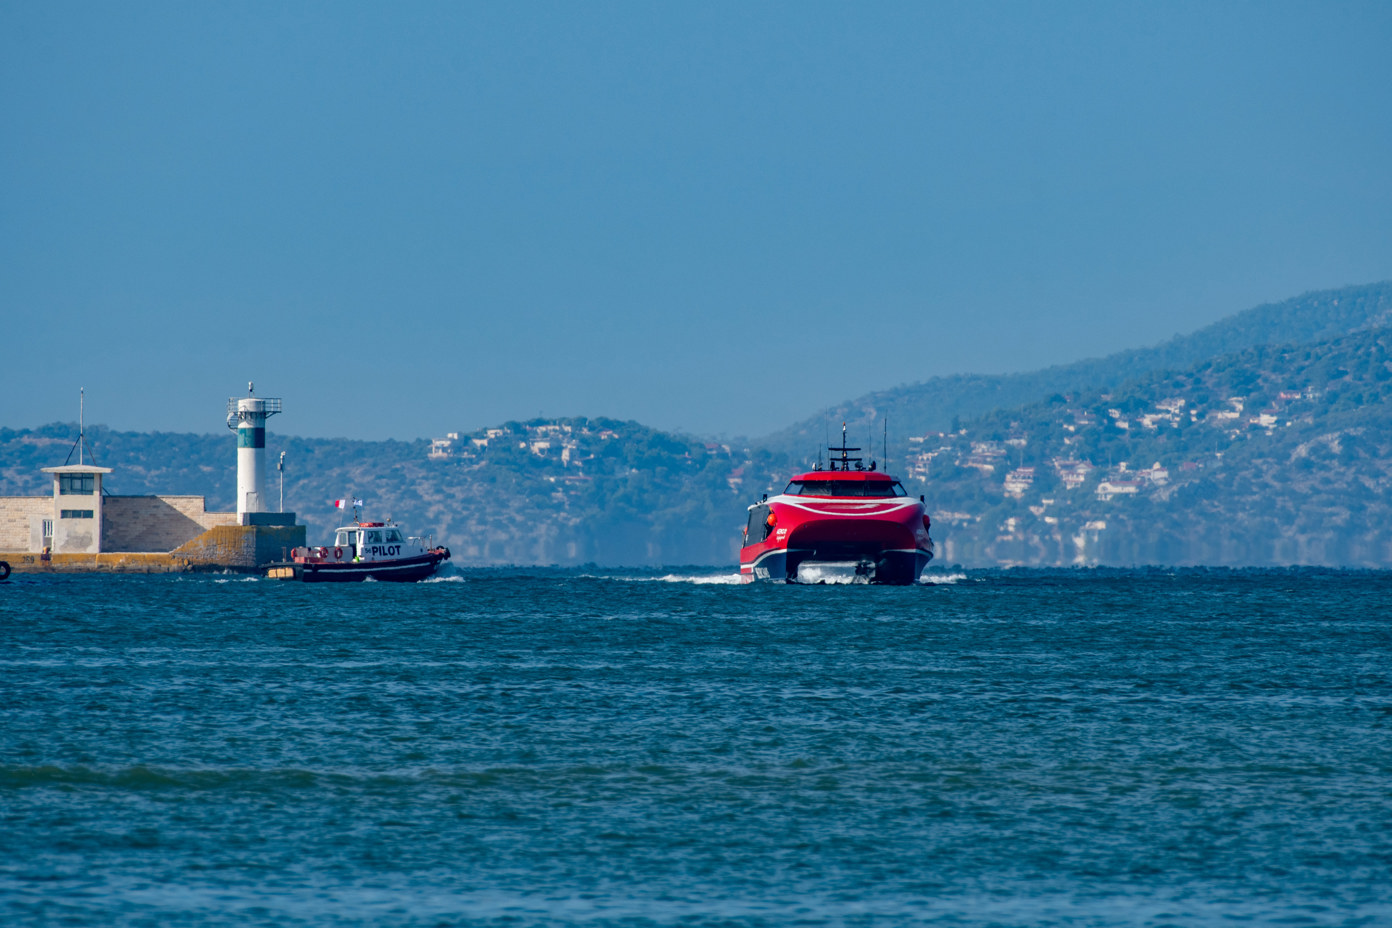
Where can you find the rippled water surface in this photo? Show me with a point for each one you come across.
(532, 748)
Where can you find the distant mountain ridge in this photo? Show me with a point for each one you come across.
(932, 406)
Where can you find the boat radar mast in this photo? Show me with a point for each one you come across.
(845, 461)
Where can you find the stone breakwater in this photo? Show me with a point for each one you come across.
(225, 547)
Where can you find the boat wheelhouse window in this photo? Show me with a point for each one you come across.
(877, 488)
(394, 535)
(343, 539)
(373, 538)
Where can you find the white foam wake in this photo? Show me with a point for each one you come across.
(832, 573)
(702, 579)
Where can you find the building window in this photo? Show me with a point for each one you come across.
(75, 514)
(76, 484)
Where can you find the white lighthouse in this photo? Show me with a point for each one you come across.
(247, 417)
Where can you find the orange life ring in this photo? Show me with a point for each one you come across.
(338, 554)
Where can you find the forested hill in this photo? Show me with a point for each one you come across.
(934, 404)
(1277, 455)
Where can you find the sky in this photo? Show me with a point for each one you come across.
(413, 218)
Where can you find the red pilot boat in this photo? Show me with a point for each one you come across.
(363, 550)
(845, 523)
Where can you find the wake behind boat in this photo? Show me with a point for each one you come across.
(848, 522)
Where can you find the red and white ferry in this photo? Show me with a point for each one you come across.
(845, 523)
(361, 550)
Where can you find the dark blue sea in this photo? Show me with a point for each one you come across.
(637, 748)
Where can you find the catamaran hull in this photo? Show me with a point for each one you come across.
(897, 568)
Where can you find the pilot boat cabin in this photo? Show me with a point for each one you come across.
(370, 541)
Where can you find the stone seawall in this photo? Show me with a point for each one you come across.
(243, 548)
(121, 562)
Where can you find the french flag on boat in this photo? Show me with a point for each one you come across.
(344, 504)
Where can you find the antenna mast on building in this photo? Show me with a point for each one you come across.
(80, 445)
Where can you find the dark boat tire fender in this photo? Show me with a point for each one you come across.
(4, 570)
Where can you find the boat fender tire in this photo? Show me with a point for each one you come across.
(4, 570)
(338, 554)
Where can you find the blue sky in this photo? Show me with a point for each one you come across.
(413, 218)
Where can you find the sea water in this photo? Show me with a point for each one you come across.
(672, 748)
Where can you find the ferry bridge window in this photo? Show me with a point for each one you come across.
(76, 484)
(877, 488)
(758, 526)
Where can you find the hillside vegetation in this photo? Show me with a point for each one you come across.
(1277, 455)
